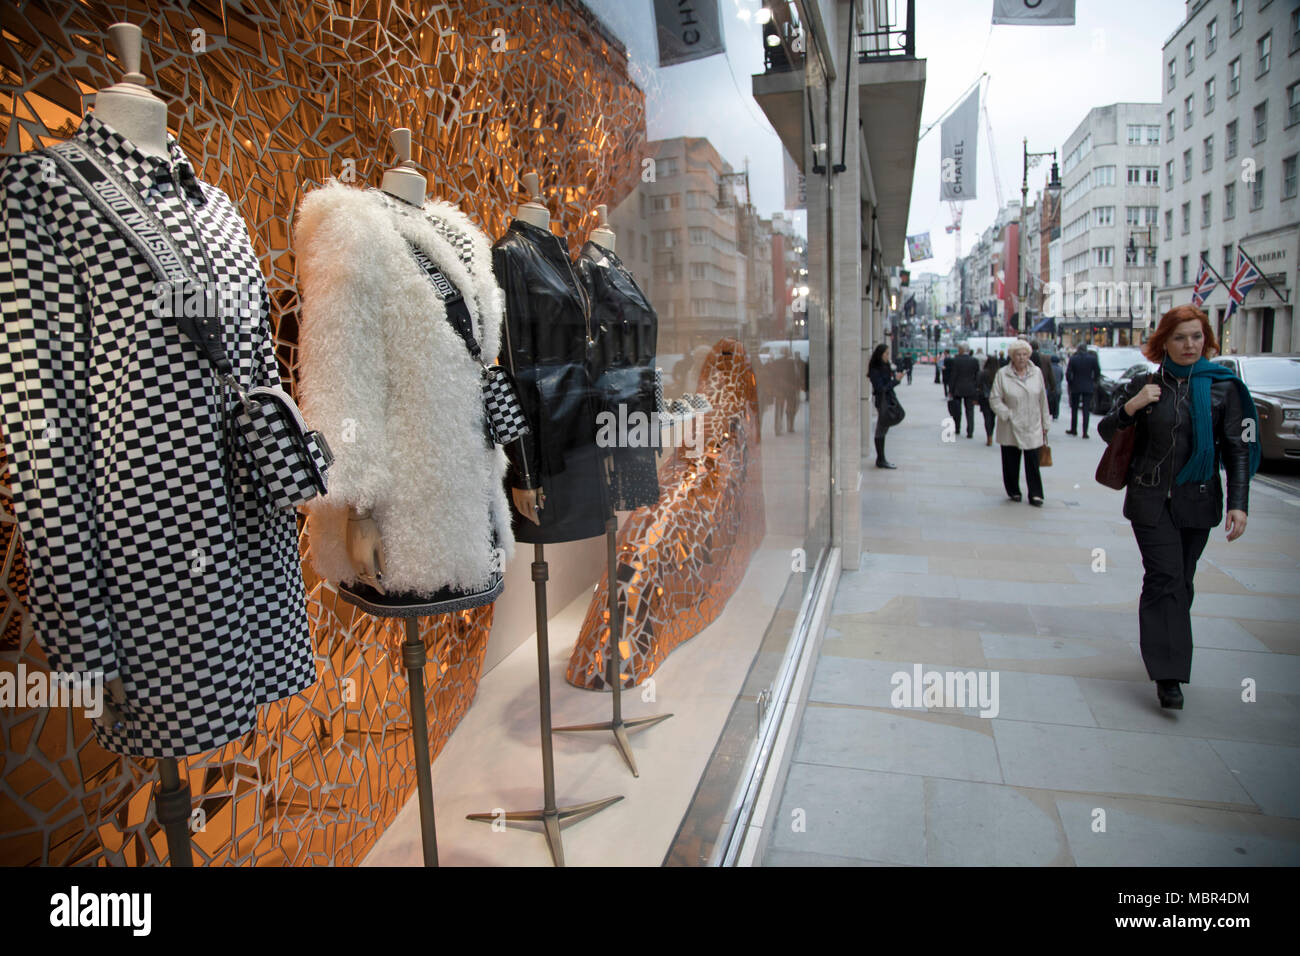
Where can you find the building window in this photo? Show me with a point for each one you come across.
(1234, 77)
(1230, 140)
(1229, 200)
(1208, 158)
(697, 270)
(1103, 176)
(1205, 211)
(1169, 175)
(1103, 216)
(1191, 57)
(1211, 37)
(1288, 177)
(666, 167)
(1264, 51)
(699, 236)
(1169, 224)
(1227, 260)
(1257, 191)
(1134, 135)
(1238, 15)
(1172, 75)
(1153, 135)
(1187, 218)
(1170, 135)
(1295, 30)
(1189, 111)
(1209, 96)
(1293, 104)
(1103, 256)
(1187, 165)
(1167, 263)
(1182, 269)
(665, 238)
(1261, 124)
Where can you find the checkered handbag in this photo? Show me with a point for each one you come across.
(659, 391)
(505, 416)
(290, 460)
(698, 402)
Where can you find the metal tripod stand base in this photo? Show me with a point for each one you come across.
(552, 821)
(620, 729)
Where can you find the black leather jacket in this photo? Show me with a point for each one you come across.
(546, 346)
(622, 367)
(1163, 444)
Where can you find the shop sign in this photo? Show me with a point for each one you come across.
(687, 30)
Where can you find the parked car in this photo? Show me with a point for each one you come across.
(1118, 365)
(1274, 383)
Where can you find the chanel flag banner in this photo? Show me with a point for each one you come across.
(957, 150)
(687, 30)
(1034, 13)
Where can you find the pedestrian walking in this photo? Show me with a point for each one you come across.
(1082, 376)
(1049, 377)
(987, 375)
(883, 380)
(785, 389)
(1188, 416)
(947, 373)
(965, 389)
(1054, 397)
(908, 361)
(1019, 399)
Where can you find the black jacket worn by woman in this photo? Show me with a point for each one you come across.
(1164, 443)
(622, 366)
(882, 381)
(546, 347)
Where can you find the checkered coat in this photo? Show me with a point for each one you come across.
(395, 390)
(150, 557)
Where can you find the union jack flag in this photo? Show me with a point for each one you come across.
(1244, 278)
(1205, 283)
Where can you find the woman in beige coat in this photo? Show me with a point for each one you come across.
(1019, 400)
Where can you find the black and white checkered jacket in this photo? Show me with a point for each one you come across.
(150, 558)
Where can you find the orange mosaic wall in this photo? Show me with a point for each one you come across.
(680, 561)
(269, 99)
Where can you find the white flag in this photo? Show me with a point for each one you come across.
(1034, 13)
(957, 139)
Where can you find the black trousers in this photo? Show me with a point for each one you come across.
(1169, 556)
(954, 409)
(1011, 471)
(1077, 399)
(1054, 404)
(990, 419)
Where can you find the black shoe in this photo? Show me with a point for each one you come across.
(1036, 502)
(1085, 434)
(1072, 432)
(1170, 694)
(1015, 497)
(881, 463)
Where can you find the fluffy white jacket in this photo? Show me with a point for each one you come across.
(395, 391)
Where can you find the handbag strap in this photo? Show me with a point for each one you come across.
(457, 310)
(123, 206)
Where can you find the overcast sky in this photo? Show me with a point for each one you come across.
(1042, 82)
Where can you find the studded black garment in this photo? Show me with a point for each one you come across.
(150, 557)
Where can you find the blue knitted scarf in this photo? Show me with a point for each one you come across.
(1200, 467)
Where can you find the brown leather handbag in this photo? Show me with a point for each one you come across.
(1045, 456)
(1112, 470)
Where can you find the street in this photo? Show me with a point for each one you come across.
(1076, 764)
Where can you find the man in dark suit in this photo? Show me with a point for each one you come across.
(947, 374)
(964, 385)
(1081, 375)
(1039, 358)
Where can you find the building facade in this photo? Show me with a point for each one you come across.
(1231, 125)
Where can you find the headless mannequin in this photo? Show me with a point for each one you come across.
(529, 500)
(128, 107)
(602, 235)
(141, 118)
(365, 547)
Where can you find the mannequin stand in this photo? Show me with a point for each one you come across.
(551, 816)
(172, 807)
(413, 659)
(614, 662)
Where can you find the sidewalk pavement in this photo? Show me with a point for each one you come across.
(1080, 766)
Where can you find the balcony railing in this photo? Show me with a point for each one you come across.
(894, 33)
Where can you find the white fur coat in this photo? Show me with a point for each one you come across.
(395, 391)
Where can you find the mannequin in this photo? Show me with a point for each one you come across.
(128, 106)
(528, 500)
(365, 546)
(602, 235)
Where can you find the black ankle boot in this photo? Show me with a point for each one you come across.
(880, 455)
(1170, 694)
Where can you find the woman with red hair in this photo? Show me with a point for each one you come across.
(1190, 415)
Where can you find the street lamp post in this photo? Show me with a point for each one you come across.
(1053, 187)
